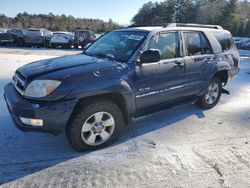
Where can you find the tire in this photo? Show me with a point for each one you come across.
(47, 44)
(87, 129)
(212, 95)
(20, 42)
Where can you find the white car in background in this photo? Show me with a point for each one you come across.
(62, 39)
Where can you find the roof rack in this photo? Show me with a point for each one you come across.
(148, 25)
(177, 25)
(194, 25)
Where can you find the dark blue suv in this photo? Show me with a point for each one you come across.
(125, 73)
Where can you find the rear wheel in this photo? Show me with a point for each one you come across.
(212, 95)
(20, 42)
(95, 125)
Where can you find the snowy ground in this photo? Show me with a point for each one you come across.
(180, 147)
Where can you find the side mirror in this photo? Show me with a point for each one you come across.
(150, 56)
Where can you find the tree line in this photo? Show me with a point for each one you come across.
(56, 22)
(233, 15)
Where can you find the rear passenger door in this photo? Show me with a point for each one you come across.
(198, 55)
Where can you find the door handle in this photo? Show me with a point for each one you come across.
(209, 58)
(179, 64)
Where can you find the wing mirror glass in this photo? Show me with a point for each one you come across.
(150, 56)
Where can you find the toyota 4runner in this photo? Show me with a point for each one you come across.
(125, 73)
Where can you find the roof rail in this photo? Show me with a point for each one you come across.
(194, 25)
(148, 25)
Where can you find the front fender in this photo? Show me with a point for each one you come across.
(105, 87)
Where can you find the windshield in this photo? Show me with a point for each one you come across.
(119, 45)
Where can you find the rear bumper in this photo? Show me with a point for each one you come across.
(55, 115)
(34, 41)
(6, 41)
(59, 43)
(232, 73)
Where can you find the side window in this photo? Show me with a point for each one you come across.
(166, 43)
(192, 42)
(206, 48)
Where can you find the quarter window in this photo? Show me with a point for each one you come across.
(225, 40)
(166, 43)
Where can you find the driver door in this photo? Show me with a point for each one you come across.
(160, 82)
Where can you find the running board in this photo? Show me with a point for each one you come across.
(225, 91)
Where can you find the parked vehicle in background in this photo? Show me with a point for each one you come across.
(242, 43)
(62, 39)
(18, 37)
(245, 45)
(238, 42)
(83, 37)
(5, 37)
(37, 37)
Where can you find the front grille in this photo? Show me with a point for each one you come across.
(18, 82)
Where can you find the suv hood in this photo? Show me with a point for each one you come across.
(62, 64)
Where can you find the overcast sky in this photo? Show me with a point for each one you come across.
(120, 11)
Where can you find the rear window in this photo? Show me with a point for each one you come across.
(62, 34)
(58, 33)
(82, 33)
(225, 40)
(34, 32)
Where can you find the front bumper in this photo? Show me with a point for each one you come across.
(60, 42)
(55, 115)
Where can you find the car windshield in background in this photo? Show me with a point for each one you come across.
(82, 33)
(119, 45)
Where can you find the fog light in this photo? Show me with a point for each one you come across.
(32, 122)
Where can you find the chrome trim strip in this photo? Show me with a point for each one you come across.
(168, 89)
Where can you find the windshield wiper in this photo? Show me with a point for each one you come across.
(86, 53)
(108, 56)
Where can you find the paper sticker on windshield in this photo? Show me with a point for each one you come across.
(135, 37)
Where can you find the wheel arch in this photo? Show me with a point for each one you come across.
(222, 75)
(114, 97)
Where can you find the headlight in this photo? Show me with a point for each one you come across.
(41, 88)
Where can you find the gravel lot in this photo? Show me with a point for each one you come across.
(180, 147)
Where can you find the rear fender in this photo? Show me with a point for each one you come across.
(220, 66)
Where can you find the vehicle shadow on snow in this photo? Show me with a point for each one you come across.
(163, 119)
(23, 154)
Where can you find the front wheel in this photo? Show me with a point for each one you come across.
(95, 125)
(212, 95)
